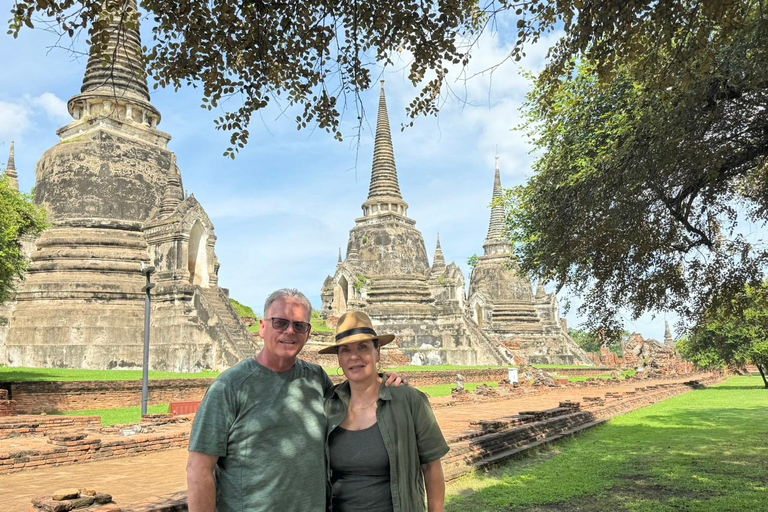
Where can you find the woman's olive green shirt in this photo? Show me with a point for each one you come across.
(410, 433)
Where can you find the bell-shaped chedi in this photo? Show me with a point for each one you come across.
(503, 304)
(115, 201)
(387, 274)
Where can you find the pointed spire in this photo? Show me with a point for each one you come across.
(339, 254)
(119, 74)
(174, 193)
(668, 340)
(541, 293)
(384, 197)
(384, 174)
(438, 262)
(10, 170)
(495, 241)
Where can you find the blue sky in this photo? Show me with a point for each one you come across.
(284, 207)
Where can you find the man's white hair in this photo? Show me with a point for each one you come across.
(284, 293)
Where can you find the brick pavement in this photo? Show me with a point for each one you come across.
(137, 479)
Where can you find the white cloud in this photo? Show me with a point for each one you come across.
(15, 119)
(53, 106)
(19, 116)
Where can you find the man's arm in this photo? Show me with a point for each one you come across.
(434, 481)
(201, 484)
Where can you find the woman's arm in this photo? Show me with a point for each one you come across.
(434, 481)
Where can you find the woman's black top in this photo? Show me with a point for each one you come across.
(359, 471)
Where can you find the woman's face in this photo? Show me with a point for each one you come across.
(358, 360)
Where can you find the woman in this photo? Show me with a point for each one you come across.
(384, 444)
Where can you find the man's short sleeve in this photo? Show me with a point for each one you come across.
(327, 382)
(214, 419)
(429, 438)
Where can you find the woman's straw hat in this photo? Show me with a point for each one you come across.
(355, 326)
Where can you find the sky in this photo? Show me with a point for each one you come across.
(285, 205)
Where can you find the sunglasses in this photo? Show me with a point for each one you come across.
(281, 324)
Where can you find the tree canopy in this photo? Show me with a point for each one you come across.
(18, 218)
(641, 192)
(733, 333)
(318, 55)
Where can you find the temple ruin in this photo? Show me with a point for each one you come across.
(386, 273)
(503, 304)
(115, 201)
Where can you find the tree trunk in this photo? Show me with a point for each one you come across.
(763, 371)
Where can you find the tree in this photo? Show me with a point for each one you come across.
(315, 53)
(733, 333)
(18, 218)
(637, 198)
(592, 342)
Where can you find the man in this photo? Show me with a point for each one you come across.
(258, 440)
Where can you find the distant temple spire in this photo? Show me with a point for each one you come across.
(119, 74)
(339, 254)
(384, 195)
(438, 262)
(10, 170)
(495, 241)
(668, 340)
(541, 293)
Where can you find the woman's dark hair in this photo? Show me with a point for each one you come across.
(375, 343)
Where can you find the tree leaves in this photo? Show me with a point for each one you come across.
(637, 198)
(18, 218)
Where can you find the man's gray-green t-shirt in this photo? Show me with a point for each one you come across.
(268, 430)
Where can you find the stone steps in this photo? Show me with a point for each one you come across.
(233, 325)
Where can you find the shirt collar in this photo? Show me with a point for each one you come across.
(344, 392)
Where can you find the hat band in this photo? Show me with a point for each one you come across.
(356, 330)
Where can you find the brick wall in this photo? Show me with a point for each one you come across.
(7, 407)
(38, 397)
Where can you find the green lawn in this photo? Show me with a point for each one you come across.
(445, 389)
(441, 368)
(122, 416)
(704, 451)
(318, 325)
(59, 375)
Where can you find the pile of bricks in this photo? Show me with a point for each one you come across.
(40, 426)
(492, 442)
(7, 407)
(78, 500)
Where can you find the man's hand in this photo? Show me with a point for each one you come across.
(395, 379)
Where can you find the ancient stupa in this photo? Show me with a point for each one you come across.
(503, 304)
(387, 274)
(115, 202)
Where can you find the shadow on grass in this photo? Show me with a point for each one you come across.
(11, 376)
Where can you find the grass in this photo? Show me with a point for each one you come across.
(318, 324)
(242, 310)
(441, 368)
(122, 416)
(64, 375)
(446, 389)
(704, 451)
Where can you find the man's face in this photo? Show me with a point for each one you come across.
(284, 344)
